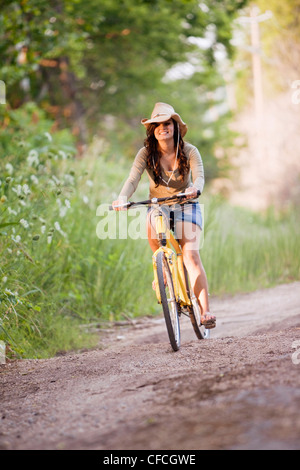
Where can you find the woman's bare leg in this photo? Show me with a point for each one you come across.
(153, 242)
(190, 243)
(151, 233)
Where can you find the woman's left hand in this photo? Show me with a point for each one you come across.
(191, 193)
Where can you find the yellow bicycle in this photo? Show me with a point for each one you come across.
(172, 284)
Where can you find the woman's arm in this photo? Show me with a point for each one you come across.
(131, 184)
(197, 169)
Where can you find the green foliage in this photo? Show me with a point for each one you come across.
(106, 64)
(57, 275)
(244, 251)
(28, 128)
(86, 61)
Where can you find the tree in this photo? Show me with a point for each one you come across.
(83, 59)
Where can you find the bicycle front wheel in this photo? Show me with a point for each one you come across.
(168, 300)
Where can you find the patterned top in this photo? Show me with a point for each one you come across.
(194, 177)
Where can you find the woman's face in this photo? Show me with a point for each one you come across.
(164, 131)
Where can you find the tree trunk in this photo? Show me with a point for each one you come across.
(76, 109)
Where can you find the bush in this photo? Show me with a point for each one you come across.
(55, 273)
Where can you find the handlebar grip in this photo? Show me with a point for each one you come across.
(128, 204)
(184, 195)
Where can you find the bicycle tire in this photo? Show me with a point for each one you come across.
(168, 300)
(195, 313)
(195, 317)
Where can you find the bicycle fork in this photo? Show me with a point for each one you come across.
(175, 262)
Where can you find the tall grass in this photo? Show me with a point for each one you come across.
(243, 251)
(56, 274)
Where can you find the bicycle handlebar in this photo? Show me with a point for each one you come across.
(154, 200)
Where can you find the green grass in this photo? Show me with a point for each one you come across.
(244, 251)
(56, 274)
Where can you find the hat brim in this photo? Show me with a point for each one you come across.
(165, 117)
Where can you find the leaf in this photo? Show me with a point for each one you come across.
(8, 223)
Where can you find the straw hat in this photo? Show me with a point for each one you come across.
(163, 112)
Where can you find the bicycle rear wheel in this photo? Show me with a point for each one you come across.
(195, 312)
(195, 317)
(168, 300)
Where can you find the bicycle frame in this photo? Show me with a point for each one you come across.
(170, 246)
(173, 252)
(179, 296)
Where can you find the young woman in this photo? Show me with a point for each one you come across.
(173, 166)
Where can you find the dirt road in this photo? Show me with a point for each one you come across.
(238, 390)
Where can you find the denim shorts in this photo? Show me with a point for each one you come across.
(188, 212)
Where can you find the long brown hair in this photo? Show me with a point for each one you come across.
(154, 154)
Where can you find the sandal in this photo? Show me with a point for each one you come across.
(210, 322)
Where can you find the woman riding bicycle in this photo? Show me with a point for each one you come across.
(173, 166)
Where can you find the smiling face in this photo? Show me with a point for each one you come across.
(164, 131)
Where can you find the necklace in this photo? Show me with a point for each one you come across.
(167, 182)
